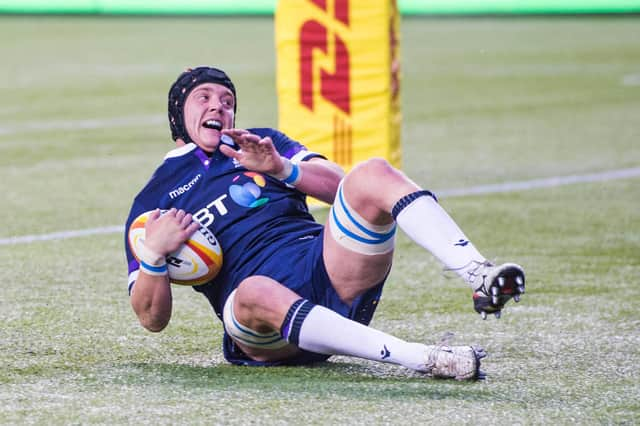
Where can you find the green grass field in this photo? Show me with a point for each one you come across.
(485, 101)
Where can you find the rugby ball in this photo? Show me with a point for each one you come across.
(196, 262)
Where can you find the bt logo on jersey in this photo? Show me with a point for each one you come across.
(247, 194)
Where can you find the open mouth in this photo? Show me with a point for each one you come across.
(212, 124)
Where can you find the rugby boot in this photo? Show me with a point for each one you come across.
(454, 362)
(495, 285)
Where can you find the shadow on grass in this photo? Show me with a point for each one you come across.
(338, 379)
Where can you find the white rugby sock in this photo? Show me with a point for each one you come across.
(429, 225)
(324, 331)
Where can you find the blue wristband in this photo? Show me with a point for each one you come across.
(293, 177)
(154, 270)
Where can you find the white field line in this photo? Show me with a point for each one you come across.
(62, 235)
(83, 124)
(446, 193)
(631, 80)
(541, 183)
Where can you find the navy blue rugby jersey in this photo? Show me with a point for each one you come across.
(256, 218)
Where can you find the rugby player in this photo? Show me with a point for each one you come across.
(292, 291)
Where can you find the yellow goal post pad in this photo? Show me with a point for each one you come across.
(338, 77)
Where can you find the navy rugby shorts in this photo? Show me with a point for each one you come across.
(310, 281)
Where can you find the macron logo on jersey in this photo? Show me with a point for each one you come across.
(184, 188)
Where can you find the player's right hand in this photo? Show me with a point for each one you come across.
(256, 153)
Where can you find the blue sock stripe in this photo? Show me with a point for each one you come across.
(408, 199)
(378, 237)
(285, 329)
(298, 319)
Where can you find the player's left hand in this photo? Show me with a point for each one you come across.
(165, 232)
(256, 154)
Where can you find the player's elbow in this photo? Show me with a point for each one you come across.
(152, 318)
(152, 306)
(153, 324)
(154, 327)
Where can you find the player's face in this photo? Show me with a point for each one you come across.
(207, 110)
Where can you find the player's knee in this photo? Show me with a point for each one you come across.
(374, 168)
(374, 177)
(252, 302)
(258, 342)
(373, 187)
(251, 291)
